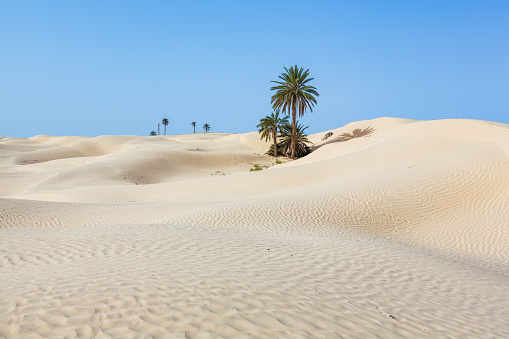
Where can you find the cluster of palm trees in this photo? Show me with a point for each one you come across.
(293, 94)
(206, 127)
(165, 122)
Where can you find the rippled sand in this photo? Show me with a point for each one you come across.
(397, 234)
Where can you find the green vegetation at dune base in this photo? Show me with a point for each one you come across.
(255, 168)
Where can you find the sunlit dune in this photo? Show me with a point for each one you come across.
(389, 228)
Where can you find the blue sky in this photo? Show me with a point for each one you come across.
(119, 67)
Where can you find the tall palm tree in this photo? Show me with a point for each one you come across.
(206, 127)
(292, 95)
(165, 123)
(269, 126)
(194, 126)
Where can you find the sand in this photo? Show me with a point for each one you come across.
(402, 233)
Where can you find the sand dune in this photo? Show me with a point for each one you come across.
(400, 233)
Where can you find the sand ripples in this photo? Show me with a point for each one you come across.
(402, 233)
(156, 281)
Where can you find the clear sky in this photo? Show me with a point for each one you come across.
(119, 67)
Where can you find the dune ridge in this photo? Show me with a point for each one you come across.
(400, 233)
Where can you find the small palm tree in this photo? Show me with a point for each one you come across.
(285, 145)
(269, 126)
(153, 133)
(294, 94)
(165, 123)
(206, 128)
(194, 126)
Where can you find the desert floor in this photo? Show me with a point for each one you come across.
(402, 233)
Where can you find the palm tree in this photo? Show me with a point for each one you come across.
(206, 127)
(165, 123)
(285, 145)
(194, 126)
(292, 94)
(153, 133)
(269, 126)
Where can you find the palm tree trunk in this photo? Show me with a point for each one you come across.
(164, 129)
(274, 136)
(294, 130)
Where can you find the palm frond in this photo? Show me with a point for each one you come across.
(284, 146)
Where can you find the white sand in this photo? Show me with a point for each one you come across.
(403, 233)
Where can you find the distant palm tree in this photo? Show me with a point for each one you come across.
(165, 123)
(269, 126)
(194, 126)
(206, 127)
(292, 94)
(153, 133)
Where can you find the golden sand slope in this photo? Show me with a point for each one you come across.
(401, 233)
